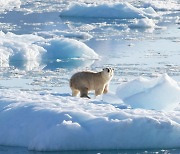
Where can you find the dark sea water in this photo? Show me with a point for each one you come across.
(19, 150)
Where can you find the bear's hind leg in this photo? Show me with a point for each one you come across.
(75, 92)
(84, 92)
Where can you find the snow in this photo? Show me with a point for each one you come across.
(65, 34)
(160, 94)
(67, 49)
(45, 121)
(20, 48)
(161, 5)
(31, 50)
(143, 23)
(105, 10)
(9, 5)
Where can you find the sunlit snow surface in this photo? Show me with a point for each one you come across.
(42, 43)
(161, 93)
(53, 121)
(8, 5)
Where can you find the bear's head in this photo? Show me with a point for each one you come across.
(108, 73)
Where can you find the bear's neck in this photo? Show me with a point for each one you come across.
(104, 79)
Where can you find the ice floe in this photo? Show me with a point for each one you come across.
(160, 94)
(161, 5)
(8, 5)
(29, 51)
(19, 48)
(84, 36)
(68, 49)
(47, 121)
(143, 23)
(105, 10)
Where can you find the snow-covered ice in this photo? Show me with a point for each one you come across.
(31, 50)
(161, 5)
(67, 49)
(106, 10)
(55, 121)
(143, 23)
(8, 5)
(19, 48)
(84, 36)
(160, 94)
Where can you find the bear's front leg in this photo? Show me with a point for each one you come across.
(105, 89)
(99, 91)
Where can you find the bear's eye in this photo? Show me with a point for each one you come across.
(108, 70)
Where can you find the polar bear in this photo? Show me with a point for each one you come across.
(87, 81)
